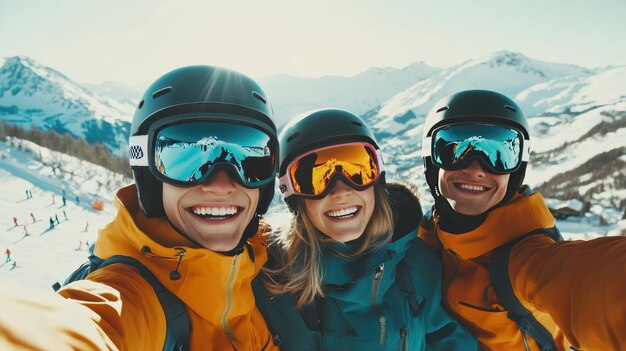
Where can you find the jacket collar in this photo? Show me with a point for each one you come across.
(205, 274)
(521, 215)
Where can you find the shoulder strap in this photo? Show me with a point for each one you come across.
(499, 275)
(405, 284)
(177, 335)
(177, 321)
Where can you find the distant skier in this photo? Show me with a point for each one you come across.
(33, 217)
(8, 253)
(51, 223)
(87, 226)
(26, 231)
(56, 218)
(80, 245)
(77, 200)
(27, 194)
(15, 221)
(53, 199)
(65, 215)
(64, 200)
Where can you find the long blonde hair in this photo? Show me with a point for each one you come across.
(298, 271)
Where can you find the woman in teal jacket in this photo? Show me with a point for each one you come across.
(350, 273)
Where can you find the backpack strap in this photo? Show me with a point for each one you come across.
(501, 282)
(405, 284)
(177, 334)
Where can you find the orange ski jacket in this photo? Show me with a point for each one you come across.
(121, 309)
(576, 289)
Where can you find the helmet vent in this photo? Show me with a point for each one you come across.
(258, 96)
(508, 107)
(357, 123)
(293, 136)
(441, 109)
(140, 104)
(161, 92)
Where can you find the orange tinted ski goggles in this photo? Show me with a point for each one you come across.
(314, 172)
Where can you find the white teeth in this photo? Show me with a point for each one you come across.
(472, 187)
(215, 211)
(345, 212)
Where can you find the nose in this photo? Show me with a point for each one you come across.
(340, 189)
(219, 183)
(474, 169)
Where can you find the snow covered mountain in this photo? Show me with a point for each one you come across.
(291, 96)
(32, 94)
(577, 115)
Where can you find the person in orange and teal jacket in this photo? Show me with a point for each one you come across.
(191, 219)
(508, 277)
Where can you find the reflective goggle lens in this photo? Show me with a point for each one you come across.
(312, 173)
(187, 152)
(500, 148)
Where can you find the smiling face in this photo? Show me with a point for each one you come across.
(213, 214)
(344, 213)
(472, 190)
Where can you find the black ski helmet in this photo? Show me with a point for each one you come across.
(474, 106)
(198, 91)
(320, 128)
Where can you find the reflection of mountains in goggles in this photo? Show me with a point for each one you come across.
(501, 149)
(312, 173)
(185, 154)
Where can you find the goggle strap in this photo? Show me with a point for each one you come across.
(426, 143)
(285, 187)
(526, 151)
(381, 161)
(138, 150)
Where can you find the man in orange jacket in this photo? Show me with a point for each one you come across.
(499, 243)
(191, 219)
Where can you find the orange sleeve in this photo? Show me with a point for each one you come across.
(34, 320)
(581, 284)
(120, 312)
(128, 311)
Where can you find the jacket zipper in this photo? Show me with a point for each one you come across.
(229, 298)
(378, 274)
(404, 339)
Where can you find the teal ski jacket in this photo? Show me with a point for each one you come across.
(389, 299)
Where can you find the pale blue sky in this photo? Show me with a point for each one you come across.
(136, 41)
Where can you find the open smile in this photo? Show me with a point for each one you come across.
(471, 188)
(215, 213)
(343, 213)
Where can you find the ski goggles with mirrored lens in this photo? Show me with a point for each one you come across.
(311, 173)
(500, 149)
(185, 154)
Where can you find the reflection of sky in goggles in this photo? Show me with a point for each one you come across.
(312, 173)
(501, 149)
(185, 154)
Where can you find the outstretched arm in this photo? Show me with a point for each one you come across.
(32, 320)
(581, 284)
(84, 315)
